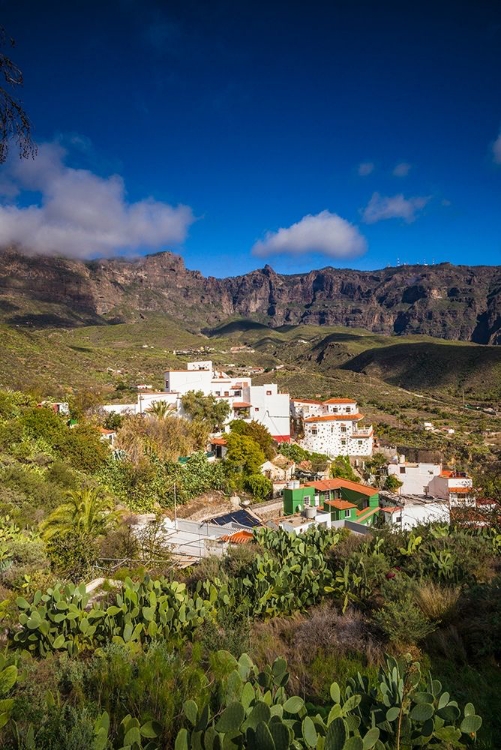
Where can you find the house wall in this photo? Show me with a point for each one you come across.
(294, 499)
(270, 408)
(360, 500)
(415, 478)
(335, 438)
(182, 381)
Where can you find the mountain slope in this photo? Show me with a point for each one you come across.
(445, 301)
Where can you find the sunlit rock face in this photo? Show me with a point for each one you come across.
(452, 302)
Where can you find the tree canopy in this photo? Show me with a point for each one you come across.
(204, 408)
(14, 122)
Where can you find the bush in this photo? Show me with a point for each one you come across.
(260, 487)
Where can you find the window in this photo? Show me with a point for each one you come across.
(348, 409)
(347, 513)
(332, 430)
(226, 393)
(334, 409)
(314, 430)
(359, 443)
(238, 393)
(256, 408)
(343, 442)
(343, 428)
(306, 502)
(402, 469)
(268, 393)
(217, 393)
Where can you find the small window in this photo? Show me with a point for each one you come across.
(334, 409)
(306, 502)
(256, 408)
(226, 393)
(347, 513)
(217, 393)
(343, 428)
(348, 409)
(402, 469)
(314, 430)
(360, 442)
(343, 442)
(268, 393)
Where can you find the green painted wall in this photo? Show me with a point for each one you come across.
(295, 498)
(362, 501)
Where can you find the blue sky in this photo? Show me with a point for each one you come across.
(243, 133)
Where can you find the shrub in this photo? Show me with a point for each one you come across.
(437, 603)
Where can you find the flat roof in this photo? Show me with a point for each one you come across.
(340, 401)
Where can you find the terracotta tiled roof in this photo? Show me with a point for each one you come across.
(461, 490)
(366, 512)
(340, 504)
(218, 441)
(335, 417)
(239, 537)
(324, 485)
(395, 509)
(446, 473)
(241, 405)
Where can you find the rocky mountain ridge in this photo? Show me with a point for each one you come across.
(445, 301)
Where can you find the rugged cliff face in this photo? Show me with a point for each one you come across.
(446, 301)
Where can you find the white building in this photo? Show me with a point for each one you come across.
(414, 511)
(332, 427)
(454, 486)
(415, 477)
(262, 403)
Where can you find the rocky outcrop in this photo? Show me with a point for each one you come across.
(445, 301)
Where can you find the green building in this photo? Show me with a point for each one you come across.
(344, 499)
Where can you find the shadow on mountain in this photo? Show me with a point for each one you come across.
(427, 365)
(235, 326)
(336, 338)
(50, 320)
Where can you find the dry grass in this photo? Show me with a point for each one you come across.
(438, 603)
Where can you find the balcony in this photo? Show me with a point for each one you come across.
(365, 432)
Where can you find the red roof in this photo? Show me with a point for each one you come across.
(104, 431)
(324, 485)
(446, 473)
(461, 490)
(218, 441)
(241, 405)
(366, 512)
(340, 504)
(239, 537)
(334, 417)
(395, 509)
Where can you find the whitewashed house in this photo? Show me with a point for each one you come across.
(415, 477)
(332, 427)
(262, 403)
(454, 486)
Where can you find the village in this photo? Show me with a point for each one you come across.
(397, 493)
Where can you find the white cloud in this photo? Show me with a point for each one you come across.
(324, 233)
(402, 169)
(397, 207)
(365, 168)
(496, 150)
(81, 214)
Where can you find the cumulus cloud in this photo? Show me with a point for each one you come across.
(396, 207)
(402, 169)
(365, 168)
(80, 214)
(324, 233)
(496, 150)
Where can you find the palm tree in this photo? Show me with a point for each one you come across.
(87, 511)
(159, 409)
